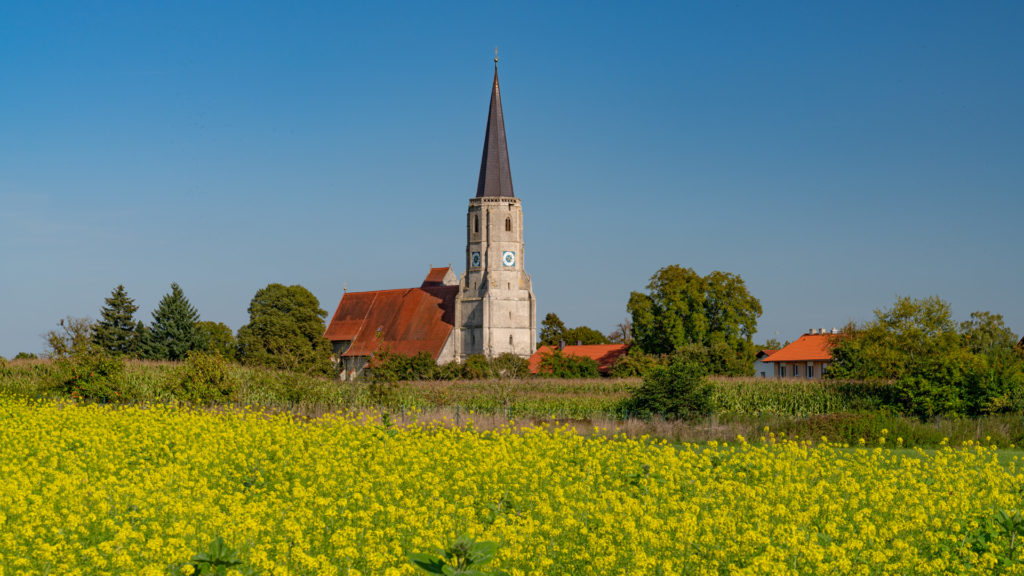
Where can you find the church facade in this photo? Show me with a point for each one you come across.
(489, 310)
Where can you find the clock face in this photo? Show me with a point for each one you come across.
(475, 259)
(508, 258)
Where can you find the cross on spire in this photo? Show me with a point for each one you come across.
(495, 174)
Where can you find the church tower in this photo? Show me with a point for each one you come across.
(496, 311)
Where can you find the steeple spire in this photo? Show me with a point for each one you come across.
(495, 175)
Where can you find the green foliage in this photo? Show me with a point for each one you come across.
(559, 365)
(387, 366)
(218, 560)
(93, 376)
(205, 379)
(772, 344)
(219, 339)
(551, 330)
(677, 390)
(73, 337)
(936, 366)
(633, 363)
(286, 331)
(173, 332)
(464, 556)
(25, 356)
(683, 309)
(584, 335)
(510, 366)
(115, 333)
(476, 367)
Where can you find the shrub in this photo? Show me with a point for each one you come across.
(476, 367)
(205, 379)
(509, 365)
(632, 364)
(560, 365)
(678, 390)
(94, 376)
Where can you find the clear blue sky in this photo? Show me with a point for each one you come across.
(833, 154)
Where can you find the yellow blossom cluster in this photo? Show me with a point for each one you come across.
(140, 490)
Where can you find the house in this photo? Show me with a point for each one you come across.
(761, 368)
(808, 357)
(489, 310)
(604, 354)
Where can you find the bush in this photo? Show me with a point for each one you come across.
(509, 365)
(559, 365)
(476, 367)
(387, 366)
(632, 364)
(678, 390)
(205, 379)
(94, 376)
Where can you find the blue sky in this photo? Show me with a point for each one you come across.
(833, 155)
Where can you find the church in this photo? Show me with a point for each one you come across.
(489, 310)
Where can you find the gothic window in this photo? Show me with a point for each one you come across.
(508, 224)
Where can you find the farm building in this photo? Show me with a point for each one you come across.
(808, 357)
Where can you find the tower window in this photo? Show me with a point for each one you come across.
(508, 224)
(509, 339)
(476, 224)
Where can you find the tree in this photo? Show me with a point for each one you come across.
(682, 309)
(623, 333)
(73, 337)
(553, 333)
(552, 330)
(986, 333)
(584, 335)
(173, 332)
(219, 339)
(676, 390)
(773, 344)
(910, 331)
(115, 332)
(285, 330)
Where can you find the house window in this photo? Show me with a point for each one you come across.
(810, 370)
(508, 224)
(782, 371)
(796, 371)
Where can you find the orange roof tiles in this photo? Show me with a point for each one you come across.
(409, 320)
(604, 354)
(436, 276)
(807, 348)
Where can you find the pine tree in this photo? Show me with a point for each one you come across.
(173, 332)
(115, 331)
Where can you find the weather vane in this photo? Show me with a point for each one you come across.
(495, 54)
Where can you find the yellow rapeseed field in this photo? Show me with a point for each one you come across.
(99, 490)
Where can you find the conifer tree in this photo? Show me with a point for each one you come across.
(173, 332)
(115, 331)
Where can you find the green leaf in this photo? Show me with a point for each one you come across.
(428, 562)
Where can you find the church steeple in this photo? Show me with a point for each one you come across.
(495, 175)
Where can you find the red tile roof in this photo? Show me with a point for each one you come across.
(409, 320)
(604, 354)
(761, 354)
(436, 276)
(807, 348)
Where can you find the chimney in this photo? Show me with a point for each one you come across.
(579, 342)
(835, 330)
(561, 344)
